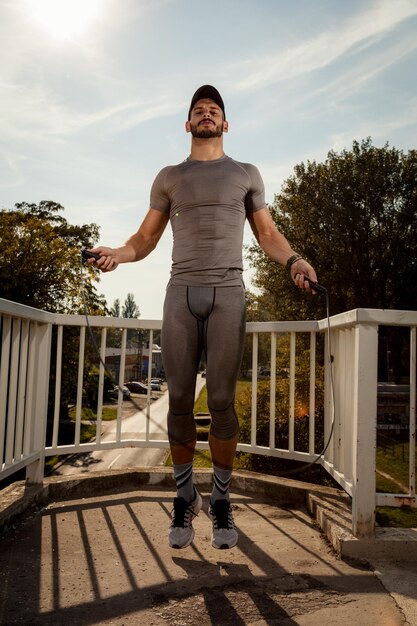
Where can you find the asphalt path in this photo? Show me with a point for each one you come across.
(132, 427)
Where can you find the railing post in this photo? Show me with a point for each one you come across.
(254, 404)
(412, 437)
(364, 430)
(35, 471)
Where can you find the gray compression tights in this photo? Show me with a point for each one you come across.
(196, 319)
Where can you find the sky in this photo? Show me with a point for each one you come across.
(94, 95)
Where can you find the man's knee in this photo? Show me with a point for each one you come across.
(181, 401)
(224, 424)
(221, 397)
(181, 428)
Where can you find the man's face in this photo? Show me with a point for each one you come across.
(206, 120)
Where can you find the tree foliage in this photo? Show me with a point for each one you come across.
(354, 217)
(40, 267)
(267, 464)
(115, 310)
(130, 309)
(40, 259)
(282, 395)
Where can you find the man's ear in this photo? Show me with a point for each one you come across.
(187, 126)
(225, 126)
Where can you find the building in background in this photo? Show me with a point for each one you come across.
(136, 363)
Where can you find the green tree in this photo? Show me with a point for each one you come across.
(130, 308)
(254, 313)
(40, 259)
(115, 310)
(354, 217)
(282, 407)
(40, 266)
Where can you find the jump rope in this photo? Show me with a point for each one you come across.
(86, 254)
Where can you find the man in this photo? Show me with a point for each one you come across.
(207, 199)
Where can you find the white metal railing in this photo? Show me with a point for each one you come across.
(350, 395)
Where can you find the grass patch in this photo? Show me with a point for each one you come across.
(202, 458)
(51, 461)
(200, 405)
(400, 517)
(384, 485)
(108, 414)
(392, 459)
(87, 432)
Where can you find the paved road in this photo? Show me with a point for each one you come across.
(133, 427)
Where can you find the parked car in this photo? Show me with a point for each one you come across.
(135, 387)
(114, 393)
(155, 384)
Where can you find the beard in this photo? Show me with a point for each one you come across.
(206, 133)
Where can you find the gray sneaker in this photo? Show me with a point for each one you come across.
(224, 530)
(181, 531)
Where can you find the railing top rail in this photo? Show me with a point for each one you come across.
(26, 312)
(284, 326)
(37, 315)
(381, 317)
(348, 318)
(107, 322)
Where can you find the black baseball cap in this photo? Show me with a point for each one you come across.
(207, 91)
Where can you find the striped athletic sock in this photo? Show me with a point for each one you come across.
(222, 478)
(184, 479)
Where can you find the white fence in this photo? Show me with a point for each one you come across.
(32, 348)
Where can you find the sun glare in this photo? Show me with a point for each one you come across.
(64, 18)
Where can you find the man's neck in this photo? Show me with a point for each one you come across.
(207, 149)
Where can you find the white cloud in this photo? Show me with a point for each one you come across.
(358, 75)
(35, 111)
(324, 49)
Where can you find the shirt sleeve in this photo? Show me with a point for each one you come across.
(255, 198)
(159, 192)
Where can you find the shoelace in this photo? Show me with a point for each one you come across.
(182, 514)
(222, 515)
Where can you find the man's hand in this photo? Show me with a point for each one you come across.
(108, 261)
(299, 270)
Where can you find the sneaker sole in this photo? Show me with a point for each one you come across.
(223, 546)
(176, 546)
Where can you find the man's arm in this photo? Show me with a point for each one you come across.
(137, 247)
(275, 245)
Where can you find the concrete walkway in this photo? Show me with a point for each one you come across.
(96, 552)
